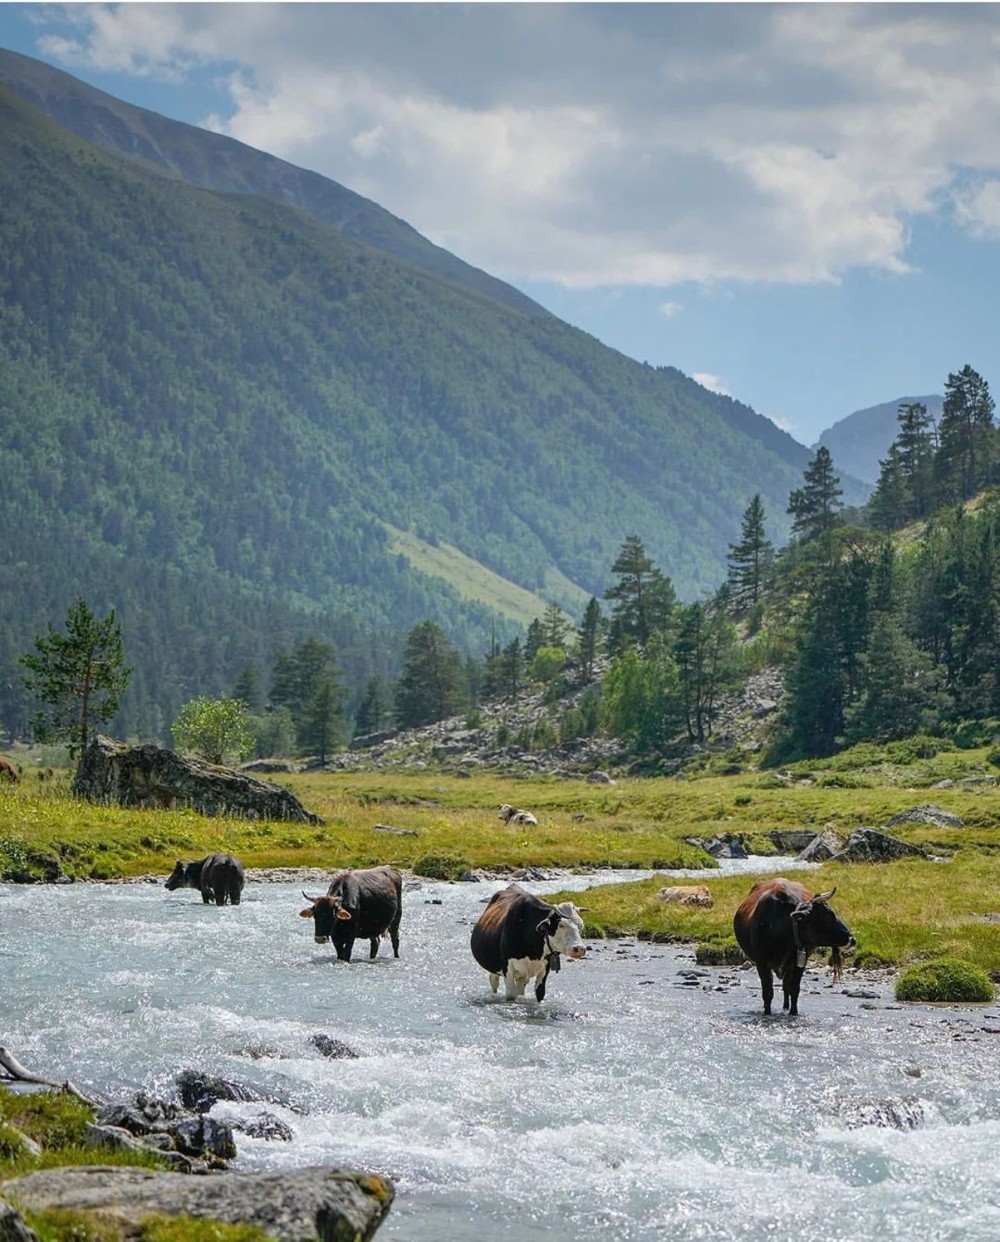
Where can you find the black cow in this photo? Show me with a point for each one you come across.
(218, 877)
(358, 904)
(778, 925)
(519, 936)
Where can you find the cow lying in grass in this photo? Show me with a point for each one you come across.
(511, 815)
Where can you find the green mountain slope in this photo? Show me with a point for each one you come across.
(220, 163)
(212, 406)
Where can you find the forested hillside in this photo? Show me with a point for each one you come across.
(212, 407)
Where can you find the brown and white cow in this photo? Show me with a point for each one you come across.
(513, 815)
(520, 937)
(358, 905)
(8, 772)
(778, 925)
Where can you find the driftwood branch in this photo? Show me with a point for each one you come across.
(396, 832)
(16, 1071)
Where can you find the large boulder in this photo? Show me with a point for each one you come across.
(12, 1227)
(304, 1205)
(151, 776)
(868, 845)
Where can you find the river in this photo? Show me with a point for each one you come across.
(645, 1099)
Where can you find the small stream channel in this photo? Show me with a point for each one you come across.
(646, 1098)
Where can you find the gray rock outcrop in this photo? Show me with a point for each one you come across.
(853, 1113)
(151, 776)
(868, 845)
(12, 1227)
(826, 844)
(306, 1205)
(933, 815)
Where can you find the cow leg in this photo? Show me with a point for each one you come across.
(394, 933)
(540, 985)
(766, 986)
(234, 894)
(375, 943)
(793, 981)
(494, 982)
(220, 896)
(206, 896)
(510, 985)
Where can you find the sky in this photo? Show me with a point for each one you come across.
(797, 205)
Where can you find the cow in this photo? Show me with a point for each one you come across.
(364, 904)
(218, 877)
(778, 925)
(686, 895)
(8, 772)
(511, 815)
(519, 937)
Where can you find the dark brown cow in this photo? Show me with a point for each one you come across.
(8, 772)
(778, 925)
(218, 877)
(359, 904)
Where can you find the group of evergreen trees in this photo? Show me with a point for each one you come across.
(879, 638)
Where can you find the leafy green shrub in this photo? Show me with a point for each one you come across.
(474, 719)
(944, 979)
(441, 866)
(971, 734)
(743, 799)
(718, 953)
(919, 746)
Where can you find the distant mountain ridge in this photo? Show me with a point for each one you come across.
(214, 408)
(858, 442)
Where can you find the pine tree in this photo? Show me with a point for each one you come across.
(703, 654)
(965, 457)
(534, 638)
(751, 561)
(588, 638)
(79, 677)
(555, 626)
(916, 446)
(430, 686)
(321, 727)
(814, 507)
(643, 596)
(310, 671)
(373, 710)
(248, 688)
(511, 669)
(892, 501)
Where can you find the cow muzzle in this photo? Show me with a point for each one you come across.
(322, 939)
(577, 952)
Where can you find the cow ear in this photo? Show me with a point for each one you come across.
(342, 913)
(306, 914)
(802, 910)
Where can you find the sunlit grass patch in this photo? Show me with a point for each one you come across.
(944, 979)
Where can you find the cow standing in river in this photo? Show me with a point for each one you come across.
(520, 937)
(218, 877)
(778, 925)
(358, 904)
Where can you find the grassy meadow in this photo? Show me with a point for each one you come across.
(900, 912)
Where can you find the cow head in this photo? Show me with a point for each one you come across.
(324, 911)
(816, 924)
(177, 876)
(563, 929)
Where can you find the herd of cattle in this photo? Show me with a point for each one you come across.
(520, 936)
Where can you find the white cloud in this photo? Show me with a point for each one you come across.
(669, 309)
(600, 145)
(712, 382)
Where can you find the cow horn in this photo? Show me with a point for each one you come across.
(308, 898)
(825, 896)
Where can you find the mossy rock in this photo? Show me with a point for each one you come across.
(718, 953)
(944, 979)
(441, 866)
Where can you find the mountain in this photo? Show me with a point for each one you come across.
(240, 426)
(858, 442)
(220, 163)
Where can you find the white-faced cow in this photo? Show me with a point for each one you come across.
(520, 937)
(218, 877)
(513, 815)
(778, 925)
(358, 905)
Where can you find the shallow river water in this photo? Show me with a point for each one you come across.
(640, 1101)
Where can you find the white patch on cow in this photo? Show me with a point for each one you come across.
(494, 982)
(519, 971)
